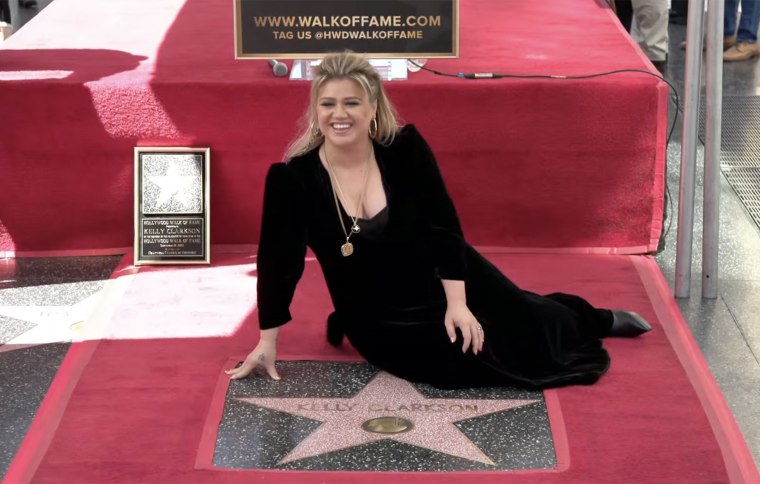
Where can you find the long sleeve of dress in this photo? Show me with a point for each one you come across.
(444, 233)
(282, 246)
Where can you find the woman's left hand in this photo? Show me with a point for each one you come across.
(458, 315)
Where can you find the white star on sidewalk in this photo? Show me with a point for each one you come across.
(387, 396)
(53, 324)
(174, 185)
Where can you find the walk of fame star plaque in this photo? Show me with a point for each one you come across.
(172, 206)
(338, 416)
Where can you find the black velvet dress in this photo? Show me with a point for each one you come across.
(389, 295)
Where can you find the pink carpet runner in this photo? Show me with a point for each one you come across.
(132, 408)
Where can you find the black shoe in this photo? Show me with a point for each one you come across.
(661, 66)
(335, 329)
(627, 324)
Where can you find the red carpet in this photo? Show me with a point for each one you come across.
(540, 165)
(578, 164)
(137, 412)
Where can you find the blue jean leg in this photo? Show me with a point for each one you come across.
(748, 23)
(730, 11)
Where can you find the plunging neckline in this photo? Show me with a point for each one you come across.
(343, 210)
(372, 218)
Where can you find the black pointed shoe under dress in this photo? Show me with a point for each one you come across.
(627, 324)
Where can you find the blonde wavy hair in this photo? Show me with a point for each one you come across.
(345, 65)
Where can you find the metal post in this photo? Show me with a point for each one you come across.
(713, 106)
(694, 29)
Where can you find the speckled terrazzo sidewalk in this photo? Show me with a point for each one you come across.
(43, 303)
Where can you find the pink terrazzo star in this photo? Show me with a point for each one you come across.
(387, 396)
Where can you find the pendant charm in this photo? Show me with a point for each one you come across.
(347, 249)
(355, 228)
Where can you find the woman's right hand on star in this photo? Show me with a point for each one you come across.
(264, 354)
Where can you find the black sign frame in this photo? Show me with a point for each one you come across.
(376, 28)
(172, 205)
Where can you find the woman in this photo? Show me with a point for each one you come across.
(412, 297)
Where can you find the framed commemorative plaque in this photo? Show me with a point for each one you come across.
(172, 209)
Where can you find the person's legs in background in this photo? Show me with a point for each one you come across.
(5, 20)
(746, 46)
(624, 11)
(679, 11)
(748, 22)
(730, 12)
(5, 11)
(650, 29)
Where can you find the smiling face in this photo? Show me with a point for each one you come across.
(344, 113)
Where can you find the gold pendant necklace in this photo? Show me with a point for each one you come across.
(348, 248)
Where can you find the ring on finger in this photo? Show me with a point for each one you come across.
(480, 328)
